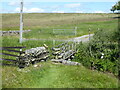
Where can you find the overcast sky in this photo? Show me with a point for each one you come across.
(58, 6)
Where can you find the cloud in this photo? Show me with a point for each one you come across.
(18, 9)
(99, 12)
(31, 10)
(36, 10)
(79, 11)
(16, 3)
(73, 5)
(64, 0)
(12, 3)
(57, 11)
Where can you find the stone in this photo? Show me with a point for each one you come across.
(56, 49)
(33, 55)
(70, 62)
(35, 50)
(57, 60)
(35, 65)
(42, 60)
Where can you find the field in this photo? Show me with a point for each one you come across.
(48, 75)
(42, 25)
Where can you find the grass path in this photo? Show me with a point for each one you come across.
(48, 79)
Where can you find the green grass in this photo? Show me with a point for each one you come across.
(49, 75)
(13, 41)
(37, 20)
(42, 25)
(47, 33)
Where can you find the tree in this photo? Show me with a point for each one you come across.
(113, 9)
(116, 7)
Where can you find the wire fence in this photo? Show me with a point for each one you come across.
(42, 25)
(65, 31)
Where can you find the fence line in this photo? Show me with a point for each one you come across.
(11, 49)
(63, 31)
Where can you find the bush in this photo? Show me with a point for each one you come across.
(101, 53)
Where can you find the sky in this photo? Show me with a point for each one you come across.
(58, 6)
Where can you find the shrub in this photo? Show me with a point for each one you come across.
(101, 53)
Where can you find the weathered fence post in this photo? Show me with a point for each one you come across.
(21, 21)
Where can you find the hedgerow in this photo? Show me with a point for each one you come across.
(101, 53)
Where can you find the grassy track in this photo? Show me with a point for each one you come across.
(57, 76)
